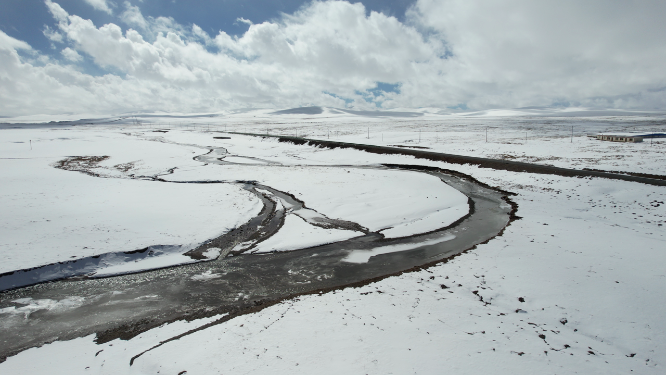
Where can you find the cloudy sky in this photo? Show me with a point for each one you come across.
(117, 56)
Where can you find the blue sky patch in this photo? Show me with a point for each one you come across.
(383, 87)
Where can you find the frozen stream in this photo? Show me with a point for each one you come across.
(238, 281)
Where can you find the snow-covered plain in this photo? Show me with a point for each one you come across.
(535, 136)
(52, 215)
(575, 286)
(375, 199)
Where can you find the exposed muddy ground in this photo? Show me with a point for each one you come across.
(499, 164)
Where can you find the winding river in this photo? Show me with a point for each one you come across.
(236, 281)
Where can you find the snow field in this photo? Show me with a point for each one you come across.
(375, 199)
(583, 267)
(575, 286)
(51, 215)
(512, 135)
(588, 289)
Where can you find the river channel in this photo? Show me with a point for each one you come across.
(237, 281)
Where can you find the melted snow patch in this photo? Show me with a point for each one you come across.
(212, 253)
(208, 275)
(363, 256)
(296, 234)
(31, 305)
(429, 222)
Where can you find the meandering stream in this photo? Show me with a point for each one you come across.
(236, 281)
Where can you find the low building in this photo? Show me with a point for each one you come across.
(619, 137)
(628, 137)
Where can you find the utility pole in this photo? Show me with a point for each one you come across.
(368, 133)
(31, 144)
(571, 133)
(419, 135)
(486, 134)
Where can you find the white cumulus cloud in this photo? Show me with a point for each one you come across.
(447, 53)
(132, 17)
(71, 55)
(51, 34)
(102, 5)
(7, 43)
